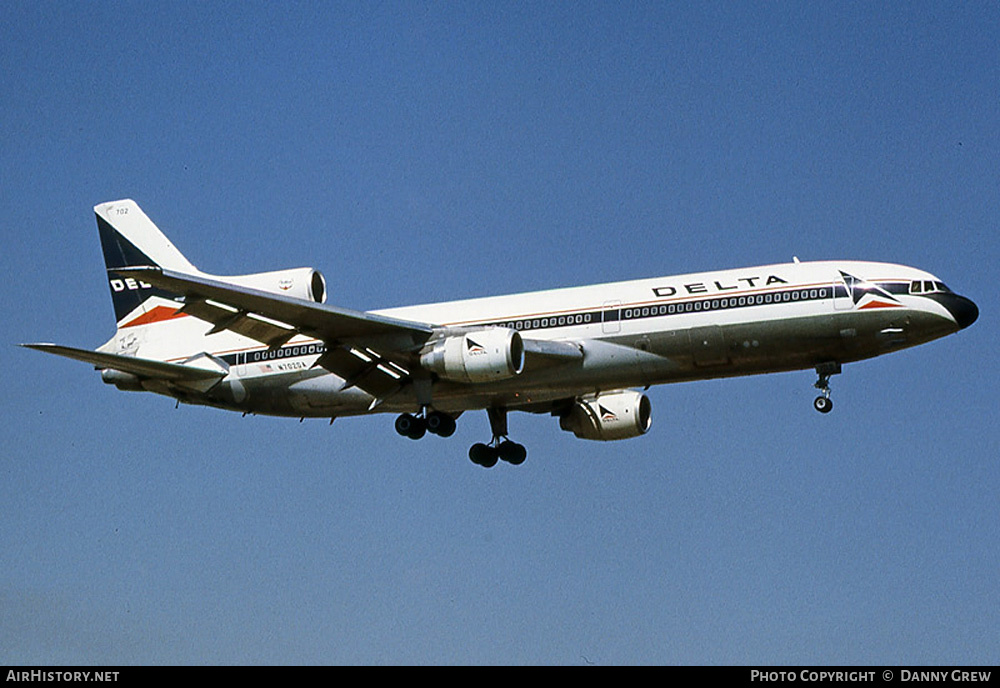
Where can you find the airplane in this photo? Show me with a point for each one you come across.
(268, 343)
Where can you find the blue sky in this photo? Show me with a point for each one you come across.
(423, 152)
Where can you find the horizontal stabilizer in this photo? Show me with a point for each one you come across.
(142, 367)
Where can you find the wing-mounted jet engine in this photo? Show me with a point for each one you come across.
(480, 356)
(611, 416)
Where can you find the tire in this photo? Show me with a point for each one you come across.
(823, 405)
(483, 455)
(441, 424)
(404, 424)
(512, 452)
(411, 426)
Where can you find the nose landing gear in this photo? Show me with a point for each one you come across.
(823, 403)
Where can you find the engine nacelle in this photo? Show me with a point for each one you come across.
(480, 356)
(127, 382)
(300, 283)
(610, 416)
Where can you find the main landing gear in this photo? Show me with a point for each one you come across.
(823, 403)
(438, 423)
(500, 448)
(435, 422)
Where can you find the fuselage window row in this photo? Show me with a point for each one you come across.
(637, 313)
(615, 314)
(282, 352)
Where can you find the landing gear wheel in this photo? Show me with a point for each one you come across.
(411, 426)
(823, 404)
(512, 452)
(404, 423)
(483, 455)
(440, 424)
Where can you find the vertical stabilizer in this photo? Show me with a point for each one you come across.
(130, 239)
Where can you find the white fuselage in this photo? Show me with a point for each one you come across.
(269, 343)
(635, 333)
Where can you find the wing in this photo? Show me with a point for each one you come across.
(373, 352)
(369, 351)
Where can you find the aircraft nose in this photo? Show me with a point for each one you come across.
(963, 310)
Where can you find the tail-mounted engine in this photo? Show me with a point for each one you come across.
(299, 283)
(610, 416)
(481, 356)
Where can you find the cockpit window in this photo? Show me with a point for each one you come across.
(928, 287)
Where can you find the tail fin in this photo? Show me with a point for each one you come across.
(130, 239)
